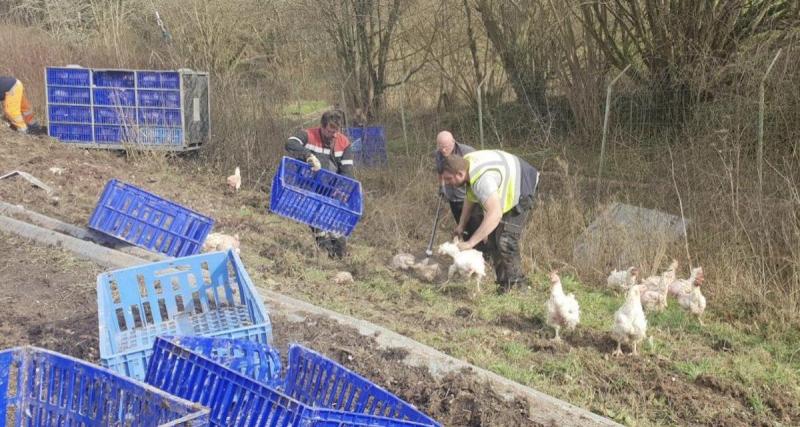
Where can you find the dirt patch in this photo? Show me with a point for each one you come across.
(47, 299)
(457, 399)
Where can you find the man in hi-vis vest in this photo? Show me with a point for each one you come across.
(503, 185)
(325, 147)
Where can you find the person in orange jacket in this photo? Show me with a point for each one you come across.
(16, 107)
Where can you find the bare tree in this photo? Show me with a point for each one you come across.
(581, 71)
(520, 33)
(216, 36)
(666, 42)
(363, 35)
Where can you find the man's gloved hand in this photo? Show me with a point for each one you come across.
(22, 130)
(314, 162)
(36, 129)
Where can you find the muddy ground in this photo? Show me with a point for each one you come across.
(49, 300)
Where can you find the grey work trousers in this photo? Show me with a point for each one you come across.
(503, 245)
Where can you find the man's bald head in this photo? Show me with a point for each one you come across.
(445, 143)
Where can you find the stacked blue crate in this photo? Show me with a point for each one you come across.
(369, 145)
(114, 106)
(111, 108)
(69, 104)
(160, 119)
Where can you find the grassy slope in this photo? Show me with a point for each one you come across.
(729, 373)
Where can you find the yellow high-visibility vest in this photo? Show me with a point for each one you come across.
(506, 164)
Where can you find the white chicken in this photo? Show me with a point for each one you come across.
(235, 180)
(343, 278)
(563, 310)
(693, 300)
(403, 261)
(467, 263)
(221, 242)
(630, 325)
(684, 286)
(623, 279)
(427, 269)
(654, 294)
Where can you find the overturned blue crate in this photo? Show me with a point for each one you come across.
(322, 199)
(238, 400)
(44, 388)
(249, 358)
(207, 295)
(368, 145)
(146, 220)
(320, 382)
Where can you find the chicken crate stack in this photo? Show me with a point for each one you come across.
(369, 145)
(44, 388)
(122, 109)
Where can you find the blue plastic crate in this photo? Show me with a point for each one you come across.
(114, 115)
(115, 97)
(113, 134)
(320, 382)
(368, 145)
(238, 400)
(159, 117)
(160, 136)
(69, 114)
(69, 95)
(43, 388)
(71, 133)
(146, 220)
(249, 358)
(114, 78)
(371, 158)
(322, 199)
(159, 98)
(158, 79)
(203, 295)
(67, 76)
